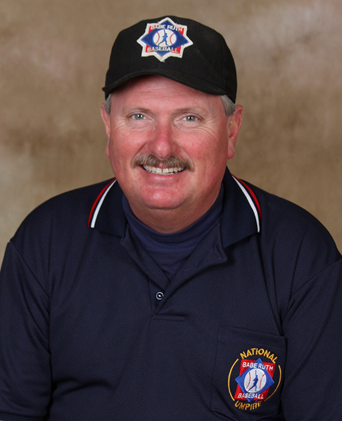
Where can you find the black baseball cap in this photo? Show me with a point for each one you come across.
(180, 49)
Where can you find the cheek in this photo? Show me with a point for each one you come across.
(127, 143)
(116, 154)
(119, 147)
(122, 150)
(212, 146)
(194, 149)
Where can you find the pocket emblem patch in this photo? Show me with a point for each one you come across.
(258, 380)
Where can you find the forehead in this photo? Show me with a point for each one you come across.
(160, 88)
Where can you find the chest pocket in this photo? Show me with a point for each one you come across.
(248, 374)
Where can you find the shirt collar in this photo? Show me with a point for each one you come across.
(240, 219)
(241, 211)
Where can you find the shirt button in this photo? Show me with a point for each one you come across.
(159, 295)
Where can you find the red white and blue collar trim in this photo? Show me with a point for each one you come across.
(98, 203)
(252, 200)
(246, 190)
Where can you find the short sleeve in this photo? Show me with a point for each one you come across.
(312, 328)
(25, 380)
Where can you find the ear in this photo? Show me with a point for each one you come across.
(106, 122)
(234, 124)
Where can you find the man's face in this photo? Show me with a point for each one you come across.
(168, 145)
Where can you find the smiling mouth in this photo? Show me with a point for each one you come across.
(162, 171)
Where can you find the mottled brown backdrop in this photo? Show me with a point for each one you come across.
(53, 59)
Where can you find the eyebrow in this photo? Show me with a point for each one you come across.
(142, 109)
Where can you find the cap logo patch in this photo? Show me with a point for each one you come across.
(164, 39)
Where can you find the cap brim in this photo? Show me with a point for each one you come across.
(188, 80)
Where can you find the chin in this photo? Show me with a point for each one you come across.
(168, 202)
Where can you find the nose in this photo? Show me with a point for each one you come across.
(162, 143)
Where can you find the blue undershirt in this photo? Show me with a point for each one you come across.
(170, 251)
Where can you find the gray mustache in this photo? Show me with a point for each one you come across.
(153, 161)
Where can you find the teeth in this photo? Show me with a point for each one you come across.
(163, 171)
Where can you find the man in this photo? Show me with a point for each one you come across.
(189, 295)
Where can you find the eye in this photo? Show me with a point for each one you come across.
(138, 116)
(190, 118)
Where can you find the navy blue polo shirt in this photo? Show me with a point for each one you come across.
(248, 329)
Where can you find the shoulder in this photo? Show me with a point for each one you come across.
(68, 207)
(293, 236)
(57, 219)
(284, 217)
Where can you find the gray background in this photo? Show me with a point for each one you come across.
(53, 59)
